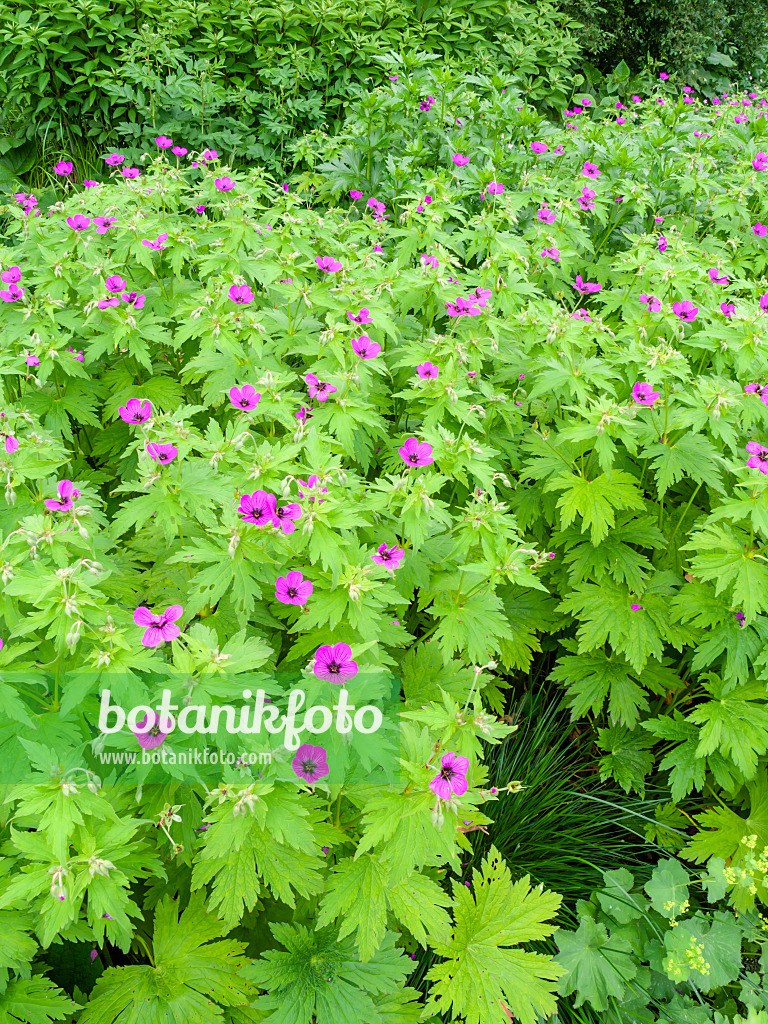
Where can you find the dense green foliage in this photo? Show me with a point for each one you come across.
(567, 321)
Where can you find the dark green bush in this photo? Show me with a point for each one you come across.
(243, 78)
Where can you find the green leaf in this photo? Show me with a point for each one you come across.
(667, 888)
(598, 966)
(34, 1001)
(480, 968)
(692, 455)
(595, 500)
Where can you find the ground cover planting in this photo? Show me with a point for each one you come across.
(384, 569)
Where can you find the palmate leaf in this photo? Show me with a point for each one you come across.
(598, 965)
(34, 1001)
(734, 723)
(727, 557)
(595, 501)
(691, 456)
(481, 967)
(195, 974)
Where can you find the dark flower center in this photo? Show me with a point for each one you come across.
(292, 591)
(334, 667)
(308, 767)
(244, 402)
(447, 773)
(154, 731)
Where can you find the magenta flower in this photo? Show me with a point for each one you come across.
(363, 317)
(753, 448)
(755, 462)
(159, 628)
(761, 161)
(293, 588)
(328, 264)
(414, 454)
(462, 307)
(110, 302)
(480, 296)
(663, 76)
(551, 253)
(115, 283)
(156, 243)
(149, 730)
(303, 414)
(224, 184)
(429, 261)
(427, 371)
(179, 151)
(11, 276)
(103, 224)
(452, 778)
(760, 229)
(751, 389)
(317, 388)
(78, 222)
(245, 398)
(365, 348)
(163, 142)
(764, 302)
(354, 194)
(133, 299)
(644, 394)
(285, 516)
(539, 147)
(11, 444)
(63, 168)
(32, 360)
(654, 305)
(209, 155)
(591, 170)
(12, 293)
(114, 159)
(546, 215)
(313, 484)
(685, 310)
(727, 308)
(662, 243)
(76, 355)
(390, 558)
(495, 188)
(135, 411)
(67, 497)
(460, 160)
(335, 664)
(200, 209)
(162, 453)
(714, 276)
(258, 508)
(130, 172)
(311, 763)
(241, 294)
(585, 287)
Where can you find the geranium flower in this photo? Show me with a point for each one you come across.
(162, 453)
(388, 557)
(156, 243)
(68, 495)
(179, 151)
(714, 276)
(311, 763)
(727, 308)
(76, 355)
(135, 411)
(285, 515)
(685, 310)
(495, 188)
(452, 778)
(317, 388)
(414, 454)
(662, 243)
(133, 299)
(149, 730)
(755, 462)
(591, 170)
(354, 194)
(644, 394)
(539, 147)
(103, 224)
(293, 588)
(11, 444)
(335, 664)
(365, 348)
(200, 209)
(480, 296)
(546, 215)
(258, 508)
(764, 302)
(313, 484)
(223, 184)
(552, 254)
(460, 160)
(115, 283)
(114, 159)
(12, 294)
(654, 305)
(32, 360)
(78, 222)
(585, 287)
(11, 276)
(130, 172)
(91, 183)
(462, 307)
(163, 142)
(109, 303)
(63, 168)
(760, 229)
(427, 371)
(429, 261)
(244, 398)
(159, 627)
(363, 317)
(328, 264)
(241, 294)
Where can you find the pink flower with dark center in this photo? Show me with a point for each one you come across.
(223, 184)
(311, 763)
(755, 462)
(388, 557)
(245, 398)
(414, 454)
(133, 299)
(551, 254)
(427, 371)
(114, 159)
(149, 731)
(591, 170)
(258, 508)
(156, 243)
(354, 194)
(200, 209)
(662, 243)
(63, 168)
(114, 283)
(303, 414)
(130, 172)
(293, 588)
(363, 317)
(11, 276)
(13, 293)
(546, 215)
(654, 305)
(685, 310)
(159, 627)
(460, 160)
(495, 188)
(714, 276)
(429, 261)
(68, 495)
(480, 296)
(365, 348)
(78, 222)
(585, 287)
(32, 360)
(103, 224)
(328, 264)
(317, 388)
(313, 484)
(179, 151)
(109, 303)
(452, 778)
(764, 302)
(163, 142)
(11, 444)
(760, 229)
(135, 411)
(727, 309)
(753, 448)
(335, 664)
(539, 147)
(644, 394)
(241, 294)
(285, 516)
(162, 453)
(751, 389)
